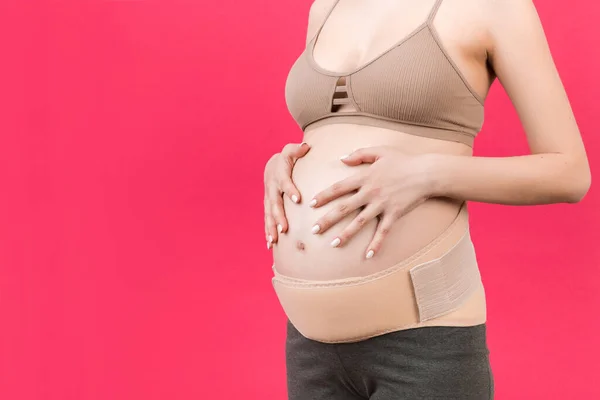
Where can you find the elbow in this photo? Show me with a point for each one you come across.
(578, 192)
(579, 183)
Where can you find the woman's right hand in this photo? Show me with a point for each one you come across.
(278, 182)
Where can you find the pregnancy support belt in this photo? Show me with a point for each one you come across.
(438, 285)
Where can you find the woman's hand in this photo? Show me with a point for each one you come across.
(278, 181)
(394, 184)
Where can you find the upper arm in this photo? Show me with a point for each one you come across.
(317, 14)
(521, 59)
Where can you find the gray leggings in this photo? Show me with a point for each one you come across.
(436, 362)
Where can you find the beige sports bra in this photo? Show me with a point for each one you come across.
(414, 87)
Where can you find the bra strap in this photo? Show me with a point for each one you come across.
(434, 11)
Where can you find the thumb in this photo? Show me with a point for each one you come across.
(301, 150)
(360, 156)
(298, 152)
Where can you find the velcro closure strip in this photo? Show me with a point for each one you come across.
(444, 284)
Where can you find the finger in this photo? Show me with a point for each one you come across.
(383, 229)
(271, 230)
(267, 239)
(300, 150)
(270, 224)
(278, 214)
(266, 211)
(271, 209)
(286, 183)
(339, 212)
(295, 150)
(290, 190)
(367, 155)
(369, 213)
(336, 190)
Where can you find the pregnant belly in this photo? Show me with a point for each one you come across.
(302, 254)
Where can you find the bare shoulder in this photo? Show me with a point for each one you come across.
(317, 14)
(503, 8)
(510, 19)
(485, 27)
(464, 24)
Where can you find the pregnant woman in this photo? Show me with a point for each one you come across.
(367, 218)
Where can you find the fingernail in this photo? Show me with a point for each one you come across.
(315, 229)
(295, 198)
(336, 242)
(312, 203)
(303, 144)
(268, 245)
(270, 239)
(279, 228)
(370, 254)
(344, 157)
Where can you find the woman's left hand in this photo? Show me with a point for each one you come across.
(390, 187)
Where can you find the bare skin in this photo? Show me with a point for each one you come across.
(399, 191)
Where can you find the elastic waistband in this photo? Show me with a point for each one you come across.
(365, 119)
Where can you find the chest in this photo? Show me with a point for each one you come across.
(357, 32)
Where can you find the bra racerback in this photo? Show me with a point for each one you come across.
(414, 87)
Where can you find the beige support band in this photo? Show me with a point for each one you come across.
(439, 285)
(442, 285)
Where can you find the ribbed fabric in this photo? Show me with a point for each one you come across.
(413, 87)
(442, 286)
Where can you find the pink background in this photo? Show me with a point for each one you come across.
(132, 256)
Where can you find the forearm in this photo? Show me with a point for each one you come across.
(521, 180)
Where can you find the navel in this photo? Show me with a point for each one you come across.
(300, 245)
